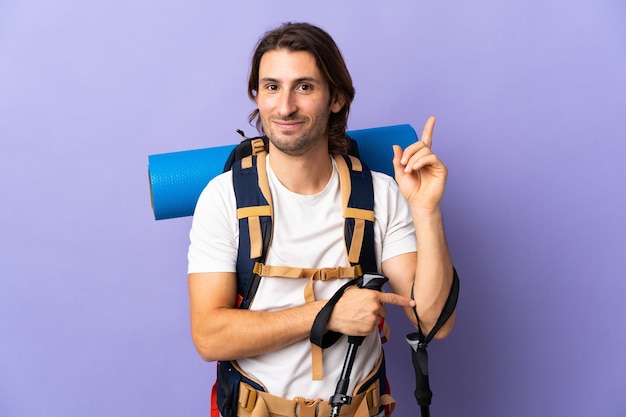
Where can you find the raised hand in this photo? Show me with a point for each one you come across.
(420, 174)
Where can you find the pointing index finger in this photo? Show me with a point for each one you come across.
(427, 133)
(395, 299)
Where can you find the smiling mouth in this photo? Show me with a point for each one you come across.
(288, 124)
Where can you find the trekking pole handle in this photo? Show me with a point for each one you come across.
(373, 281)
(370, 281)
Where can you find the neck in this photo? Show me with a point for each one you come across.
(307, 174)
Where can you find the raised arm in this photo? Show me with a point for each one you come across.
(421, 177)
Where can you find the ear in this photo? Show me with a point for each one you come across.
(337, 103)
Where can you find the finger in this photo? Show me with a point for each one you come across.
(413, 154)
(395, 299)
(428, 160)
(382, 312)
(427, 133)
(411, 150)
(398, 164)
(400, 161)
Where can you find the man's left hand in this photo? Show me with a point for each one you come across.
(420, 174)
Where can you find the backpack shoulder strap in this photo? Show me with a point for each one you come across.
(248, 146)
(357, 195)
(254, 212)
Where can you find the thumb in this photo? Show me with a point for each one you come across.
(397, 156)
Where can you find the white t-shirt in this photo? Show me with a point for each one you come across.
(308, 233)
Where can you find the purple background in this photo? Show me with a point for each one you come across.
(531, 102)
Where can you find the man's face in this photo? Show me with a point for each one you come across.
(294, 101)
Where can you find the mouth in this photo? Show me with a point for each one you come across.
(287, 124)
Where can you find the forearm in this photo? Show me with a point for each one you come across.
(231, 333)
(433, 275)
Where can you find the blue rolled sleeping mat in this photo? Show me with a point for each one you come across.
(178, 178)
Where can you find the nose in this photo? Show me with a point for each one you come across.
(286, 105)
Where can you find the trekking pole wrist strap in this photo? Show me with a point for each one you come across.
(419, 343)
(319, 336)
(446, 312)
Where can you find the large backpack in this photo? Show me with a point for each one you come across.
(254, 212)
(177, 179)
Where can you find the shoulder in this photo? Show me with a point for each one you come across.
(389, 205)
(384, 184)
(221, 184)
(217, 196)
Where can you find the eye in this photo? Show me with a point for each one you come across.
(305, 87)
(271, 87)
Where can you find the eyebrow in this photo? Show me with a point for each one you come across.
(296, 81)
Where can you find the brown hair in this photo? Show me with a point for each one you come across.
(308, 38)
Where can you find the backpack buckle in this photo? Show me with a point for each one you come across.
(247, 397)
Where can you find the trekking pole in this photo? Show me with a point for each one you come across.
(371, 282)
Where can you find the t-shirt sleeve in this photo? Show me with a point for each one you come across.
(394, 216)
(214, 231)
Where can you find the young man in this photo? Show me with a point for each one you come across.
(303, 91)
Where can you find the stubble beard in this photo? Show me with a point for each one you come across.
(289, 143)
